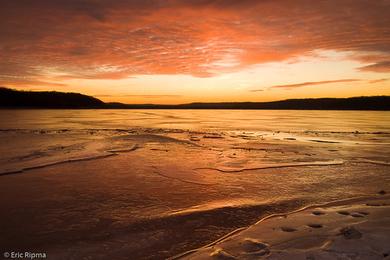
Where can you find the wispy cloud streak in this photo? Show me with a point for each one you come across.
(305, 84)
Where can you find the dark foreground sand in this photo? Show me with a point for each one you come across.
(349, 229)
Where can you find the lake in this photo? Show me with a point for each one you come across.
(156, 183)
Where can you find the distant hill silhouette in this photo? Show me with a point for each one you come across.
(354, 103)
(10, 98)
(46, 99)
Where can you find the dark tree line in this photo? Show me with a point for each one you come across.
(46, 99)
(10, 98)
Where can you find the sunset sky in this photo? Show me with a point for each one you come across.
(155, 51)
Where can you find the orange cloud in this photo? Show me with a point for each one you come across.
(383, 66)
(92, 39)
(378, 81)
(304, 84)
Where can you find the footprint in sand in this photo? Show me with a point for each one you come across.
(288, 229)
(254, 247)
(343, 212)
(318, 213)
(376, 204)
(222, 255)
(315, 225)
(350, 233)
(357, 215)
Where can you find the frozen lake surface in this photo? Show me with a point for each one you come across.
(155, 183)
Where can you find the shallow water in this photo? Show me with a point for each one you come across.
(154, 183)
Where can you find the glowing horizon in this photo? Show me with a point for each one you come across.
(170, 52)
